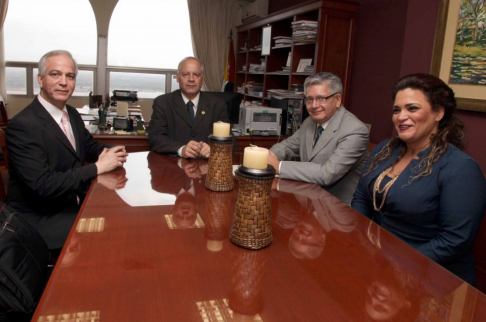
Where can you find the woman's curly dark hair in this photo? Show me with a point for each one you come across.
(439, 95)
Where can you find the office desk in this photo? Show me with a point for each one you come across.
(149, 252)
(139, 143)
(132, 143)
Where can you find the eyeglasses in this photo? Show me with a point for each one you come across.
(319, 99)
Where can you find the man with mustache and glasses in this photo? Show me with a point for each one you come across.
(332, 143)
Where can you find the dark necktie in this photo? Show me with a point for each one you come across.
(190, 110)
(320, 129)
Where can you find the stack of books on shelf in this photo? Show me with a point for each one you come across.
(257, 68)
(285, 70)
(282, 41)
(298, 88)
(254, 88)
(241, 89)
(283, 93)
(304, 31)
(309, 69)
(258, 47)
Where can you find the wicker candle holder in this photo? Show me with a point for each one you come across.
(220, 172)
(252, 227)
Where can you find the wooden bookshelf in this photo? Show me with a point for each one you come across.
(332, 51)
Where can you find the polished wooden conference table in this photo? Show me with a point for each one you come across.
(151, 244)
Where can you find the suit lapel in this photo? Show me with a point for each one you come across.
(78, 131)
(328, 133)
(309, 137)
(202, 107)
(52, 127)
(181, 108)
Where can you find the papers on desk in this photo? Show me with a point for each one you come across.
(84, 110)
(85, 117)
(91, 128)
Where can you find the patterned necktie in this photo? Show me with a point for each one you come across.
(320, 129)
(66, 127)
(190, 110)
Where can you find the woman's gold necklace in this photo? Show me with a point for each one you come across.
(385, 189)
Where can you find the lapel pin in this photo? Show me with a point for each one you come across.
(203, 112)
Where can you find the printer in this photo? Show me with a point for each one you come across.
(259, 120)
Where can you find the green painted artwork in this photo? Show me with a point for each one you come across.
(469, 59)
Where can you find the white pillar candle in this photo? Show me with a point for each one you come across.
(255, 157)
(221, 129)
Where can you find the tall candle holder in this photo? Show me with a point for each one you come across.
(252, 227)
(220, 172)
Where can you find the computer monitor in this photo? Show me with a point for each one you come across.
(233, 101)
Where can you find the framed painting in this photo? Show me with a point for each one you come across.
(459, 56)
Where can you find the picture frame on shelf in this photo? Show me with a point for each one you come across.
(303, 63)
(457, 55)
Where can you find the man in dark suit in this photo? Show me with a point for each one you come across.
(182, 120)
(332, 144)
(48, 146)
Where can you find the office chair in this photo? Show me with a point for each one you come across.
(3, 114)
(3, 146)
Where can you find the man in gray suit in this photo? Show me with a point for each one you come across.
(332, 144)
(182, 120)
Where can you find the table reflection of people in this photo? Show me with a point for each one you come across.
(195, 169)
(402, 288)
(181, 178)
(114, 180)
(320, 213)
(391, 296)
(184, 212)
(72, 251)
(308, 238)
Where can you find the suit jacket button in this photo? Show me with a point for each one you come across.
(193, 134)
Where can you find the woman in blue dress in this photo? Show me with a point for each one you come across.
(420, 185)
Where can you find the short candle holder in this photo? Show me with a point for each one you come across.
(220, 172)
(252, 226)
